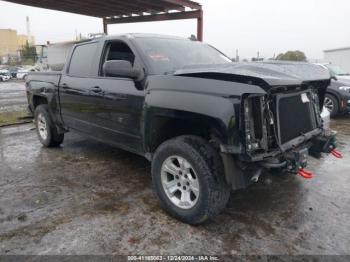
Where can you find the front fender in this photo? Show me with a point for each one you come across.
(213, 102)
(215, 107)
(209, 97)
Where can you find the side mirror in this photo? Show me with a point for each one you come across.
(121, 68)
(334, 78)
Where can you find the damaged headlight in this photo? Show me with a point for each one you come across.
(326, 119)
(255, 123)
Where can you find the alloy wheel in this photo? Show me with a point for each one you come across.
(180, 182)
(329, 104)
(42, 126)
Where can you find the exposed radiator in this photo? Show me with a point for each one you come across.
(296, 115)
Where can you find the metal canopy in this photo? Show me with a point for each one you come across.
(121, 11)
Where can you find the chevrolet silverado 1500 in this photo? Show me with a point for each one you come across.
(208, 125)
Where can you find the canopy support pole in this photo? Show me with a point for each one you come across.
(105, 27)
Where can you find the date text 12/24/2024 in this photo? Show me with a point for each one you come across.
(173, 258)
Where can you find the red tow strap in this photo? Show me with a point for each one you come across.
(305, 174)
(309, 175)
(336, 153)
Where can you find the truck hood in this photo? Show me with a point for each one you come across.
(266, 73)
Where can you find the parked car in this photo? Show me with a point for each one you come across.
(4, 75)
(4, 78)
(337, 72)
(13, 71)
(207, 125)
(22, 74)
(337, 99)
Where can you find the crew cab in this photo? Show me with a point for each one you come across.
(207, 125)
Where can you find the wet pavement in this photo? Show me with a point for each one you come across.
(90, 198)
(12, 96)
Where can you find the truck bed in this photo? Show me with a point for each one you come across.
(43, 85)
(47, 77)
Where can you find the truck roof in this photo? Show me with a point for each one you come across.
(143, 35)
(135, 35)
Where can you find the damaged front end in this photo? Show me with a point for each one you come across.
(277, 127)
(283, 127)
(279, 130)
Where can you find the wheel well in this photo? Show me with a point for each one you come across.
(333, 95)
(164, 128)
(39, 100)
(336, 97)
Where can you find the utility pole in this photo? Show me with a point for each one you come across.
(28, 31)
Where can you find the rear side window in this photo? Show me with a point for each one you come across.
(82, 60)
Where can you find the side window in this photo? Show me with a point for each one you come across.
(118, 51)
(82, 60)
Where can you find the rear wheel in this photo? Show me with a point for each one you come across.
(45, 127)
(188, 178)
(331, 103)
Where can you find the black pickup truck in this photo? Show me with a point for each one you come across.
(208, 125)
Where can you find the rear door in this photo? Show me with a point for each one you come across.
(107, 108)
(79, 98)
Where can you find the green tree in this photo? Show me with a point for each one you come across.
(292, 56)
(28, 54)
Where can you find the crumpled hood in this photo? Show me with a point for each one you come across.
(273, 73)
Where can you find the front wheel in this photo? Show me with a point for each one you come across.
(188, 178)
(45, 127)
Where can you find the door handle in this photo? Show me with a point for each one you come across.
(64, 86)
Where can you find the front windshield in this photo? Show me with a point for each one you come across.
(166, 55)
(336, 70)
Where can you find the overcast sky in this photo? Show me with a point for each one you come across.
(267, 26)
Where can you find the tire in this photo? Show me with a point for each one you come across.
(331, 103)
(205, 175)
(45, 127)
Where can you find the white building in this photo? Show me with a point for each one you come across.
(339, 56)
(57, 54)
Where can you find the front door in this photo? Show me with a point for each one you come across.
(121, 109)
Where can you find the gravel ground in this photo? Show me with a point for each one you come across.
(90, 198)
(13, 103)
